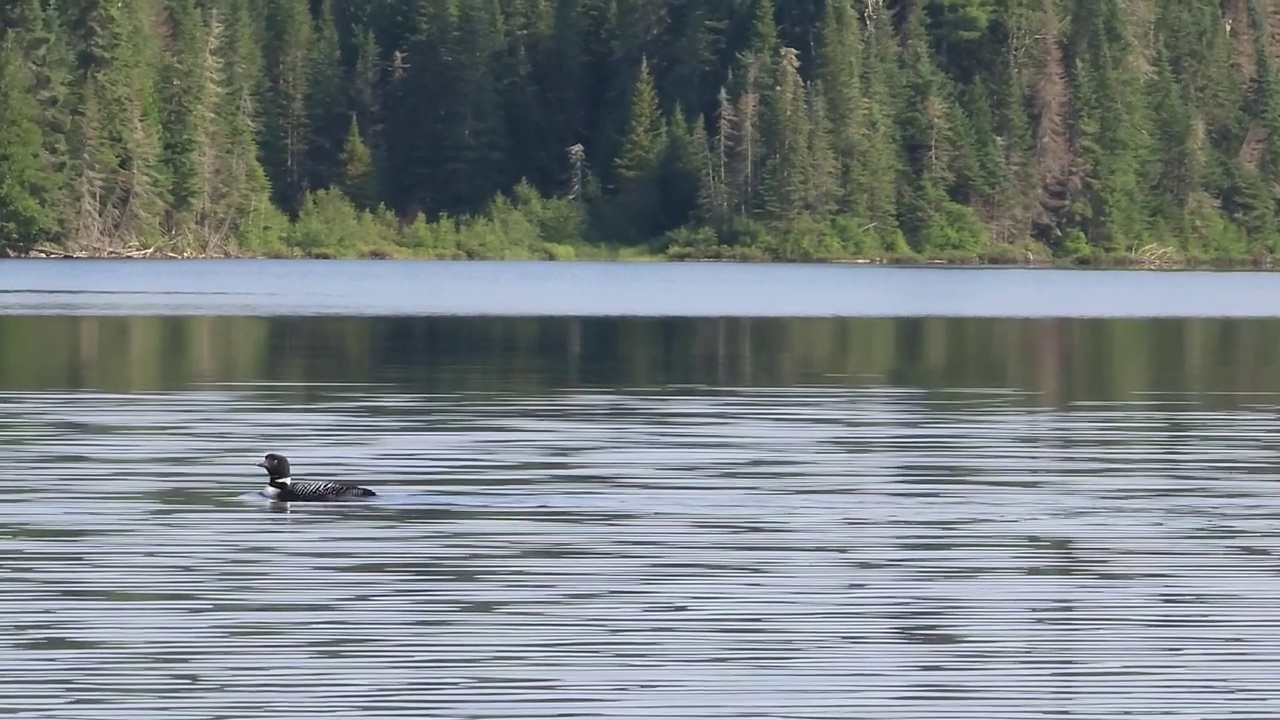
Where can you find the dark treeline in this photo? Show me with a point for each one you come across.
(797, 129)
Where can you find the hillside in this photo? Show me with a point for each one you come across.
(791, 129)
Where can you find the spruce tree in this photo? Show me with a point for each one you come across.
(286, 126)
(473, 134)
(787, 163)
(359, 178)
(636, 167)
(242, 192)
(717, 199)
(185, 88)
(1176, 171)
(822, 171)
(682, 163)
(117, 184)
(325, 100)
(366, 83)
(878, 178)
(643, 143)
(1112, 124)
(838, 60)
(199, 121)
(28, 189)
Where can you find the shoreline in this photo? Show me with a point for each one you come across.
(1003, 260)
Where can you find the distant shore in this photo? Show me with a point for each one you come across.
(1003, 257)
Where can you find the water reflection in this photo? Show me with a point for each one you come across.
(1060, 360)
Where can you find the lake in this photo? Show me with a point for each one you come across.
(638, 491)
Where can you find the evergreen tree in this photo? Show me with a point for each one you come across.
(787, 161)
(286, 126)
(1177, 169)
(325, 100)
(366, 83)
(764, 34)
(1016, 192)
(41, 45)
(1111, 122)
(716, 192)
(838, 59)
(473, 148)
(114, 132)
(1082, 125)
(562, 76)
(637, 164)
(928, 131)
(185, 86)
(359, 180)
(880, 169)
(684, 160)
(412, 103)
(242, 194)
(28, 189)
(22, 18)
(822, 171)
(643, 145)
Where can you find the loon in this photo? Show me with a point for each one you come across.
(281, 487)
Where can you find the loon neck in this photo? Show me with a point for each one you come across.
(280, 482)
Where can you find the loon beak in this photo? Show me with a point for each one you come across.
(261, 464)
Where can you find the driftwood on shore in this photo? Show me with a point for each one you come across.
(44, 251)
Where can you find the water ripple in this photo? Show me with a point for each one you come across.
(715, 553)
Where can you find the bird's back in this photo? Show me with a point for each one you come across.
(317, 490)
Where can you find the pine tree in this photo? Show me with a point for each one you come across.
(607, 83)
(927, 126)
(1111, 122)
(366, 83)
(242, 192)
(717, 192)
(186, 91)
(642, 25)
(286, 126)
(643, 145)
(787, 161)
(764, 46)
(744, 180)
(41, 45)
(637, 165)
(823, 169)
(959, 29)
(325, 100)
(1013, 201)
(359, 179)
(416, 93)
(195, 123)
(883, 158)
(22, 18)
(683, 161)
(691, 52)
(114, 134)
(525, 128)
(27, 187)
(1177, 169)
(473, 132)
(562, 76)
(838, 59)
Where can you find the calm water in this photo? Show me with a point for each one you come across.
(413, 288)
(749, 516)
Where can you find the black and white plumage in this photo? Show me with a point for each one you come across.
(281, 487)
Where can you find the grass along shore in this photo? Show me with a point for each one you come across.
(528, 226)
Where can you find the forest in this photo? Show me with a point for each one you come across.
(1000, 131)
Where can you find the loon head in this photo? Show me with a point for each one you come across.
(277, 467)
